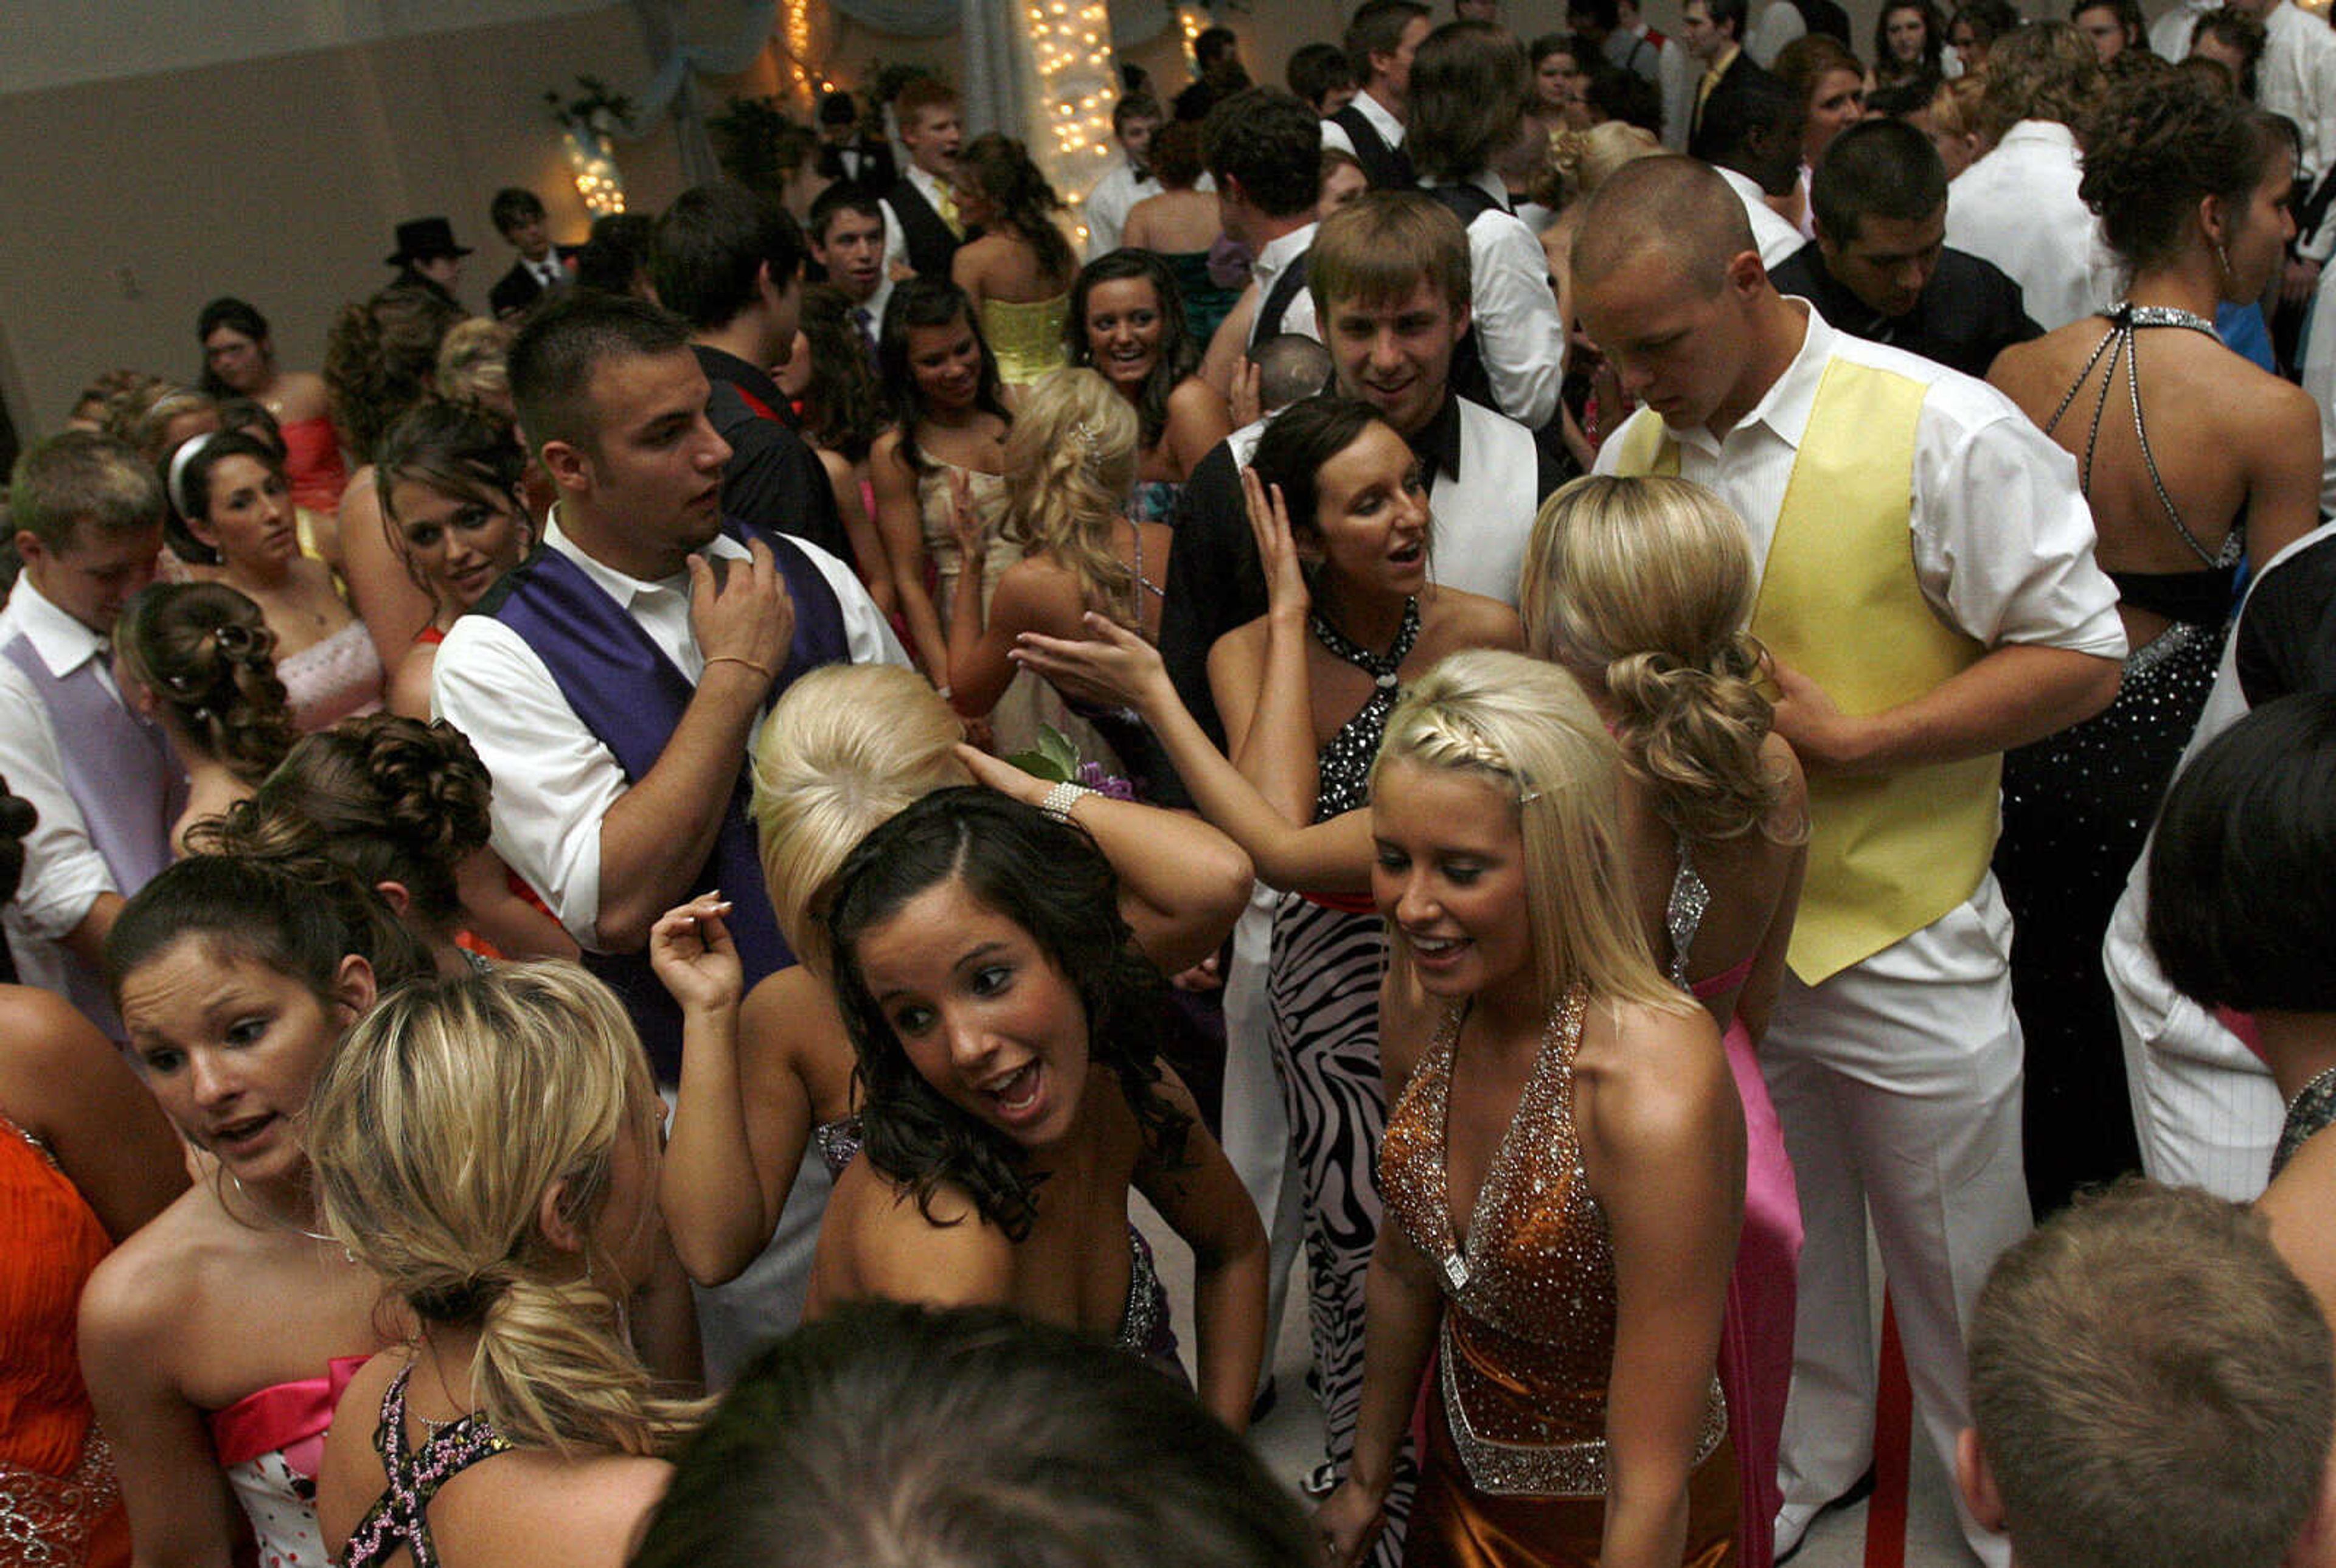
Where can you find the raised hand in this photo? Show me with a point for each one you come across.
(1277, 552)
(694, 956)
(965, 519)
(740, 613)
(1246, 405)
(1113, 665)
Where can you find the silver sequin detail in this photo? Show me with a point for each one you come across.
(47, 1520)
(1683, 913)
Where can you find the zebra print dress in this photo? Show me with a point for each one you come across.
(1322, 993)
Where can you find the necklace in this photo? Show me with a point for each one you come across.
(2310, 1112)
(281, 1222)
(2126, 313)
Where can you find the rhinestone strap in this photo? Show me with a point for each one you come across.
(2314, 1109)
(1575, 1469)
(1683, 911)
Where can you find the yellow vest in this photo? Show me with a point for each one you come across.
(1839, 601)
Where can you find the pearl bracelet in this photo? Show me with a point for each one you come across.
(1062, 798)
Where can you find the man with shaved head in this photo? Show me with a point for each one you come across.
(1928, 594)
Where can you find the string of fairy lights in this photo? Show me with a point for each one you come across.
(1070, 43)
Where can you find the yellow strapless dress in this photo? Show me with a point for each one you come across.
(1027, 339)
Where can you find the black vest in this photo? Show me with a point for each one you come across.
(1467, 377)
(932, 246)
(1275, 303)
(1386, 168)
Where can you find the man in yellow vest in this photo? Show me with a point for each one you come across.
(1929, 592)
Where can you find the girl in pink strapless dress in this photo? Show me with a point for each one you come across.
(331, 680)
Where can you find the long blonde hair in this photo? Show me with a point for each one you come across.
(436, 1130)
(1070, 466)
(847, 747)
(1645, 586)
(1526, 726)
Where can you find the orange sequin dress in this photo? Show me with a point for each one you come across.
(1515, 1470)
(59, 1505)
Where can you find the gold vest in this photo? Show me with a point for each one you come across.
(1839, 601)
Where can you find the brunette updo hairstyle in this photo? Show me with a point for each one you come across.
(1645, 586)
(207, 654)
(380, 360)
(390, 799)
(2156, 146)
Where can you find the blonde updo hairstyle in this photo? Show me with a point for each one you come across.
(1645, 586)
(1070, 466)
(207, 654)
(1525, 727)
(846, 749)
(437, 1130)
(1579, 162)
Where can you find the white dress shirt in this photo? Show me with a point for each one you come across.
(1775, 236)
(1265, 270)
(2297, 77)
(554, 779)
(2002, 537)
(1676, 72)
(1107, 206)
(1513, 306)
(2169, 35)
(1779, 24)
(1382, 118)
(64, 872)
(2018, 207)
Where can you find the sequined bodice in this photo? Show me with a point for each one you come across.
(400, 1516)
(1343, 766)
(1531, 1287)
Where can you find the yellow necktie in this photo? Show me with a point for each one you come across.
(945, 203)
(1703, 88)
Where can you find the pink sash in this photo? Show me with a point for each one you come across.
(289, 1416)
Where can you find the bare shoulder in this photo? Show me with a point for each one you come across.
(901, 1248)
(530, 1507)
(47, 1040)
(1653, 1081)
(1192, 398)
(787, 1018)
(351, 1477)
(143, 1293)
(409, 687)
(1453, 618)
(1790, 815)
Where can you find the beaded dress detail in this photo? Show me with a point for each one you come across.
(2314, 1110)
(1345, 764)
(400, 1515)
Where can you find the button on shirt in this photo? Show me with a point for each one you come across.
(554, 780)
(64, 872)
(2018, 207)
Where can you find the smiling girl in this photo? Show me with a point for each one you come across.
(1128, 321)
(214, 1340)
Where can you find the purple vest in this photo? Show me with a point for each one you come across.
(119, 772)
(631, 697)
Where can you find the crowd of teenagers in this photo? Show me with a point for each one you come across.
(1584, 680)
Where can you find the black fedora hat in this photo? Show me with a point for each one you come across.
(420, 238)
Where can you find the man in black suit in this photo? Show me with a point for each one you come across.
(1713, 32)
(1380, 41)
(519, 217)
(922, 224)
(846, 153)
(1879, 267)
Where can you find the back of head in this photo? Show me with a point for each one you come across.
(1267, 139)
(1000, 168)
(379, 358)
(2152, 1387)
(1176, 157)
(1070, 466)
(2157, 146)
(846, 749)
(1290, 365)
(1583, 161)
(392, 799)
(843, 406)
(440, 1129)
(1524, 726)
(154, 426)
(1728, 15)
(565, 342)
(1377, 28)
(615, 252)
(2244, 863)
(712, 247)
(474, 361)
(298, 914)
(1676, 208)
(207, 656)
(1644, 586)
(512, 206)
(900, 1437)
(17, 818)
(2039, 71)
(79, 480)
(1755, 129)
(1380, 247)
(1469, 86)
(1876, 169)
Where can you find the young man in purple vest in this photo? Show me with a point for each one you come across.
(1928, 594)
(611, 683)
(88, 514)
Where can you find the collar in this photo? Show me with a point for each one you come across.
(63, 643)
(1785, 407)
(927, 183)
(1838, 304)
(1381, 117)
(1743, 184)
(1437, 443)
(621, 586)
(1484, 180)
(721, 364)
(1280, 251)
(1727, 57)
(2041, 132)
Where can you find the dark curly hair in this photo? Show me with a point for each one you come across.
(1048, 878)
(1180, 356)
(2157, 145)
(929, 302)
(379, 358)
(843, 406)
(207, 654)
(1000, 167)
(390, 799)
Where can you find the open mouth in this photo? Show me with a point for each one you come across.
(239, 1137)
(1019, 1096)
(1434, 953)
(1410, 554)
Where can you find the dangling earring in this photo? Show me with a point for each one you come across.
(2223, 258)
